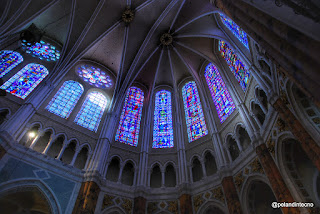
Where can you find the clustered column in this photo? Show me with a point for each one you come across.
(278, 185)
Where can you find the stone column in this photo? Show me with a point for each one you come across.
(74, 157)
(139, 206)
(163, 177)
(87, 198)
(231, 195)
(298, 54)
(185, 204)
(120, 173)
(2, 152)
(278, 185)
(308, 144)
(34, 142)
(65, 145)
(203, 166)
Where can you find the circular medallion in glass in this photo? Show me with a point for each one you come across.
(94, 76)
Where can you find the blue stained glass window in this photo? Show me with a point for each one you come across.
(235, 29)
(129, 127)
(8, 61)
(196, 125)
(239, 70)
(23, 82)
(65, 99)
(162, 129)
(220, 94)
(91, 111)
(41, 50)
(94, 76)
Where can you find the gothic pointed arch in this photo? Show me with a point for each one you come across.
(65, 99)
(8, 61)
(91, 111)
(26, 80)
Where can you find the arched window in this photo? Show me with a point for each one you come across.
(162, 129)
(239, 70)
(91, 111)
(23, 82)
(65, 99)
(235, 29)
(41, 50)
(129, 127)
(196, 125)
(220, 94)
(8, 61)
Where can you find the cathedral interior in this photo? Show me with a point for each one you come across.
(159, 106)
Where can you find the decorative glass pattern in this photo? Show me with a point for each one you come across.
(129, 127)
(239, 70)
(162, 128)
(220, 94)
(91, 111)
(94, 76)
(23, 82)
(65, 99)
(196, 125)
(8, 61)
(41, 50)
(235, 29)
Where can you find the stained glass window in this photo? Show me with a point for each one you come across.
(129, 127)
(94, 76)
(235, 29)
(65, 99)
(196, 125)
(220, 94)
(23, 82)
(162, 129)
(239, 70)
(41, 50)
(91, 111)
(8, 61)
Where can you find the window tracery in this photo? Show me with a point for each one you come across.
(42, 50)
(27, 79)
(8, 61)
(94, 76)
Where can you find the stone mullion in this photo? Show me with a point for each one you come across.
(231, 195)
(307, 142)
(278, 185)
(270, 42)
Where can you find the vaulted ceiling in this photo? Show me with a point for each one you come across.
(95, 30)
